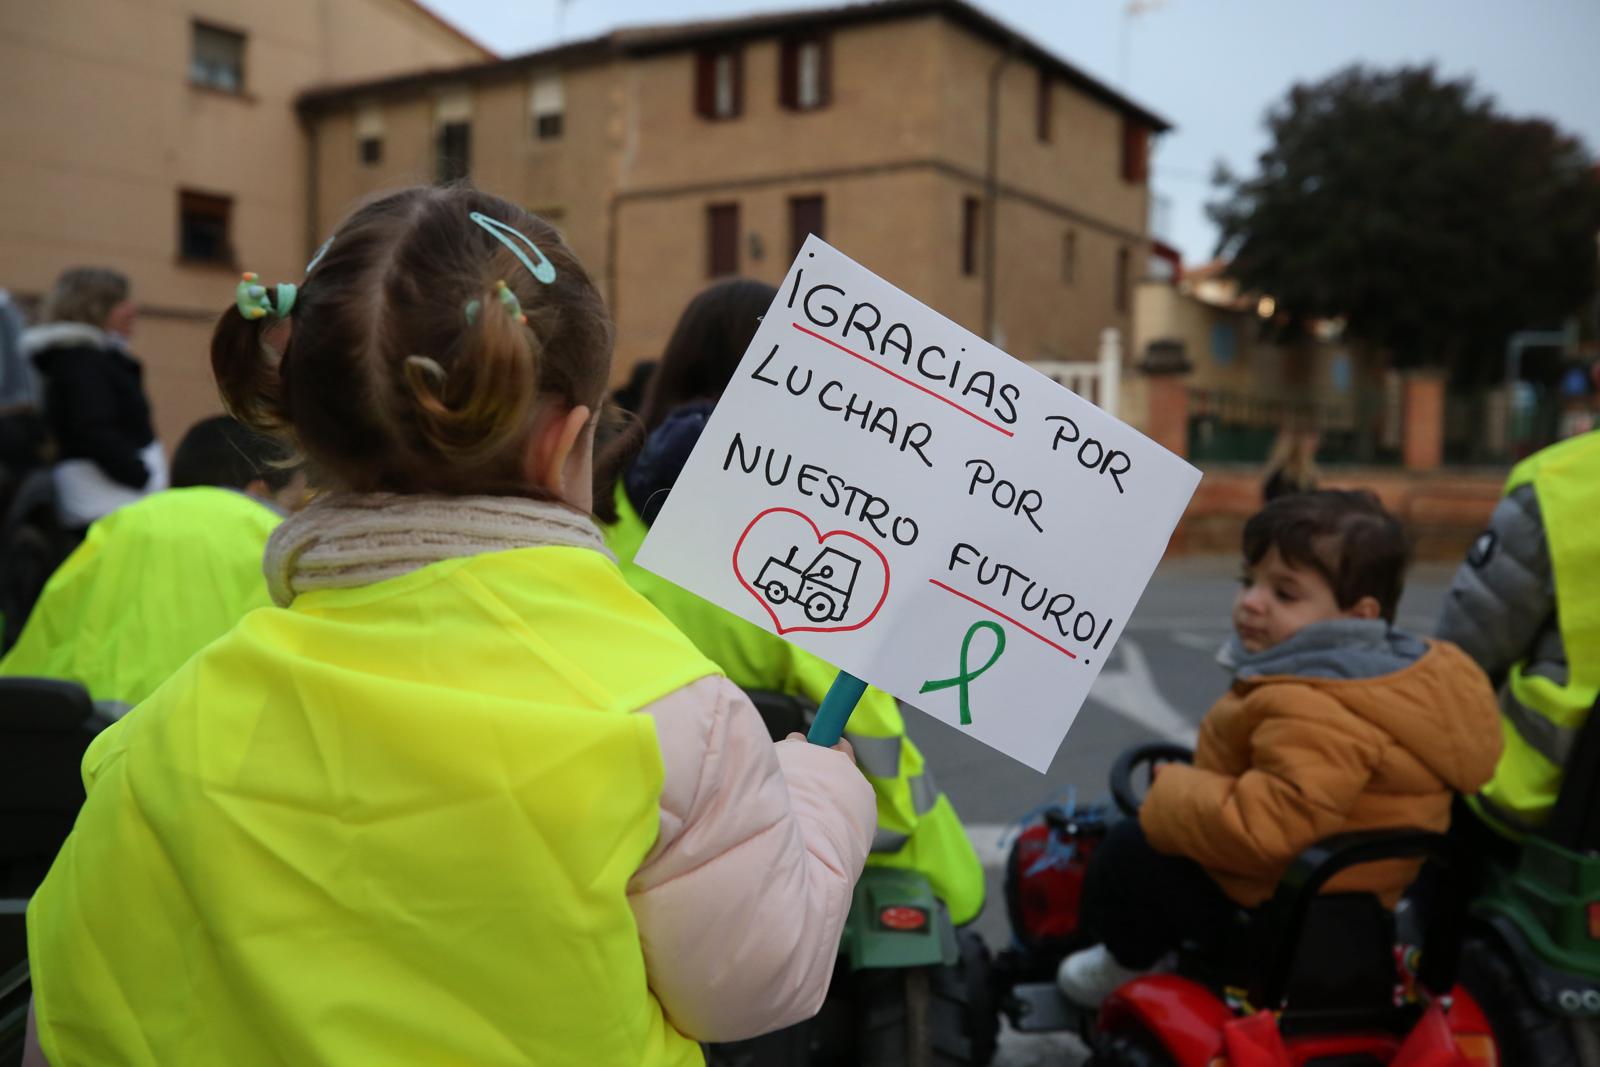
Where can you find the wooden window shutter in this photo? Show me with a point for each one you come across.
(1135, 151)
(789, 73)
(705, 84)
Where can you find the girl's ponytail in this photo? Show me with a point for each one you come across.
(248, 371)
(476, 405)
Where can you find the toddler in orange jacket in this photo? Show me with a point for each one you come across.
(1335, 722)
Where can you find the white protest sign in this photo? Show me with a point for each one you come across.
(889, 491)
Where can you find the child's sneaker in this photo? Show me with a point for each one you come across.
(1086, 978)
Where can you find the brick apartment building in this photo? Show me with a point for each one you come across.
(160, 139)
(950, 154)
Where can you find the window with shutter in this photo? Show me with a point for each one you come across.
(722, 240)
(216, 58)
(719, 83)
(547, 105)
(369, 134)
(804, 73)
(805, 219)
(204, 228)
(1135, 151)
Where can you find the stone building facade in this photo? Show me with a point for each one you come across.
(941, 149)
(161, 139)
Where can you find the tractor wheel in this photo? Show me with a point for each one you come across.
(776, 592)
(1526, 1034)
(928, 1016)
(819, 607)
(1134, 1048)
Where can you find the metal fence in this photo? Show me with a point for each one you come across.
(1241, 427)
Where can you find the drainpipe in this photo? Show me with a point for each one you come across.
(992, 191)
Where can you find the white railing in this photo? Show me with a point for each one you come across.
(1099, 382)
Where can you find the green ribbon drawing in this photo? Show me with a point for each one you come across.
(968, 675)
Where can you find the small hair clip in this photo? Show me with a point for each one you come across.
(250, 297)
(508, 300)
(318, 257)
(544, 271)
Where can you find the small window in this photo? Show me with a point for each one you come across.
(369, 134)
(1122, 282)
(204, 228)
(216, 58)
(455, 151)
(1041, 108)
(804, 74)
(547, 103)
(969, 235)
(1224, 343)
(1069, 257)
(722, 240)
(1135, 151)
(805, 219)
(719, 84)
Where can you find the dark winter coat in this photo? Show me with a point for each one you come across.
(94, 398)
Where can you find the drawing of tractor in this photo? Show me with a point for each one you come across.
(823, 588)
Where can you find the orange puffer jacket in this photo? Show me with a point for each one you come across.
(1285, 760)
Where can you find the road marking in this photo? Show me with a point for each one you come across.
(1131, 692)
(1199, 642)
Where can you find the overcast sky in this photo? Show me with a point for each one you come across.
(1210, 67)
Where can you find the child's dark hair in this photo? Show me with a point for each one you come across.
(1344, 535)
(225, 452)
(386, 383)
(706, 346)
(705, 349)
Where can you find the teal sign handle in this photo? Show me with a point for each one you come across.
(843, 695)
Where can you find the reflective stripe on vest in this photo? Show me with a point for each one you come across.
(917, 827)
(1541, 717)
(393, 824)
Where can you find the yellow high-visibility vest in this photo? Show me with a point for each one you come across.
(152, 584)
(1541, 718)
(389, 824)
(918, 829)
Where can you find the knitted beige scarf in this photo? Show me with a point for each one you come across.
(353, 539)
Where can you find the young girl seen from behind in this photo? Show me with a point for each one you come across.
(462, 796)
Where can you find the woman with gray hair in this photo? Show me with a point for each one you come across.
(94, 397)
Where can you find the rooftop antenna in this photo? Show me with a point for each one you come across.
(561, 19)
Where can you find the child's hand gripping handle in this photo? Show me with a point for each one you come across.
(841, 700)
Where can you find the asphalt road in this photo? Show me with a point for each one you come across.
(1160, 681)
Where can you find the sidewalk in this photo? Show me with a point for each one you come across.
(1444, 510)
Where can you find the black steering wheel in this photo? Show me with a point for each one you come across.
(1149, 755)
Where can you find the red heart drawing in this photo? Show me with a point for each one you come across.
(825, 589)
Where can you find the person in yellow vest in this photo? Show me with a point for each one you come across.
(917, 826)
(1526, 606)
(462, 797)
(159, 579)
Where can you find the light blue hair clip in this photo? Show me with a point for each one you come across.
(250, 297)
(318, 257)
(542, 270)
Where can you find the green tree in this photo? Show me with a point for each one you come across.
(1410, 207)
